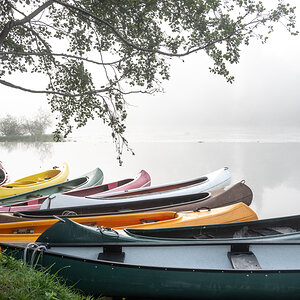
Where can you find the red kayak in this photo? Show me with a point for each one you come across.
(4, 178)
(141, 180)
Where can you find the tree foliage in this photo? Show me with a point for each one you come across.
(36, 126)
(94, 53)
(10, 125)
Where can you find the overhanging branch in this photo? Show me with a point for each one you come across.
(9, 25)
(60, 55)
(92, 92)
(130, 44)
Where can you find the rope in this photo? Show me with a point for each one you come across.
(30, 245)
(39, 248)
(69, 213)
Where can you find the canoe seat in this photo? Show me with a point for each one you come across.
(145, 221)
(23, 231)
(34, 196)
(112, 253)
(203, 236)
(66, 187)
(242, 259)
(265, 231)
(283, 229)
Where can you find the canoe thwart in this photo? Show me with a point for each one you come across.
(112, 253)
(34, 196)
(242, 259)
(58, 218)
(66, 187)
(202, 208)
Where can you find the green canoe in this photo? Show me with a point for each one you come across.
(92, 178)
(181, 270)
(283, 228)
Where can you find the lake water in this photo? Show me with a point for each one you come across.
(272, 170)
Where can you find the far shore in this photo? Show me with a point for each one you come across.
(29, 138)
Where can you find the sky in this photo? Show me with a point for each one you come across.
(262, 103)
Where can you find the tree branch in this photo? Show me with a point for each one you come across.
(92, 92)
(128, 43)
(59, 54)
(9, 25)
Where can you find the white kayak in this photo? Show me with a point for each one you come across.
(212, 181)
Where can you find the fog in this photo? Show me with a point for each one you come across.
(262, 102)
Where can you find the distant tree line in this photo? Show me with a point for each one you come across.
(13, 126)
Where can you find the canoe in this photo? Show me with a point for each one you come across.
(237, 193)
(141, 180)
(4, 178)
(35, 181)
(272, 229)
(30, 231)
(209, 182)
(180, 270)
(89, 179)
(214, 180)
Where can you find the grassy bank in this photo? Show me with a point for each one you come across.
(19, 281)
(27, 138)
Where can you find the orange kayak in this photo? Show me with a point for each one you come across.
(29, 231)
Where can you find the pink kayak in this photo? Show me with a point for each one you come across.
(141, 180)
(4, 178)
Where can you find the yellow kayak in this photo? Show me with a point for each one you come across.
(29, 231)
(36, 181)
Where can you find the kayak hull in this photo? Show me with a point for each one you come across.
(36, 181)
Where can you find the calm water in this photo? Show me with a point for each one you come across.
(272, 170)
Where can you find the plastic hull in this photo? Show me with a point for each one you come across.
(142, 179)
(175, 271)
(36, 181)
(29, 231)
(38, 196)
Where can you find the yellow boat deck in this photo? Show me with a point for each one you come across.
(35, 181)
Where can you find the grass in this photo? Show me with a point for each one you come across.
(27, 138)
(19, 281)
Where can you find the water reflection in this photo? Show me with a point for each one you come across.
(22, 159)
(43, 150)
(271, 170)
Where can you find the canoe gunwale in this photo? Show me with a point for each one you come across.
(152, 190)
(166, 188)
(205, 195)
(150, 233)
(45, 247)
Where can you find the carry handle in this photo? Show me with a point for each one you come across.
(107, 230)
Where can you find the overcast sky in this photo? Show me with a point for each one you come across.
(264, 99)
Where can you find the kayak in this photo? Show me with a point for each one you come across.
(212, 181)
(29, 231)
(35, 181)
(105, 206)
(89, 179)
(4, 178)
(205, 183)
(141, 180)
